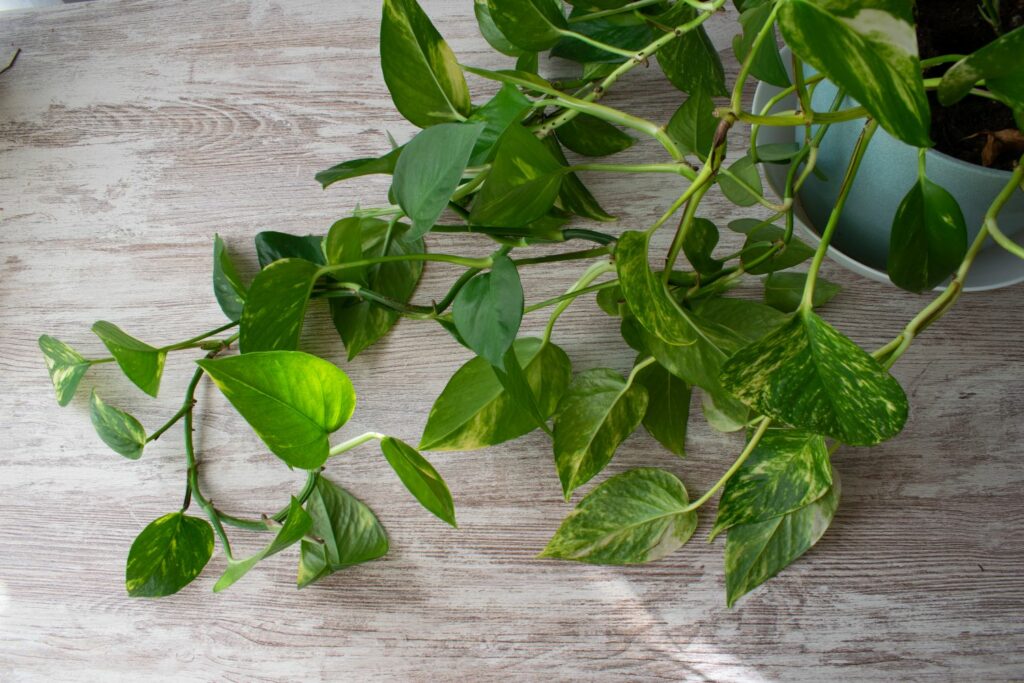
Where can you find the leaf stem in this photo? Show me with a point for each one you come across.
(806, 303)
(569, 295)
(589, 275)
(355, 441)
(567, 256)
(630, 7)
(751, 445)
(597, 43)
(194, 341)
(736, 103)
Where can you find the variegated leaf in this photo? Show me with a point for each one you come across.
(810, 376)
(647, 295)
(291, 532)
(475, 410)
(141, 363)
(668, 407)
(788, 469)
(868, 48)
(167, 555)
(597, 413)
(634, 517)
(66, 367)
(119, 430)
(755, 553)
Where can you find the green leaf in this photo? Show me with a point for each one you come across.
(761, 239)
(693, 125)
(65, 365)
(533, 25)
(297, 524)
(350, 532)
(359, 167)
(648, 298)
(430, 169)
(503, 110)
(344, 244)
(1000, 64)
(420, 477)
(420, 70)
(291, 399)
(490, 31)
(573, 195)
(783, 291)
(869, 49)
(362, 323)
(522, 185)
(698, 243)
(668, 407)
(475, 410)
(928, 239)
(777, 152)
(488, 310)
(140, 362)
(787, 470)
(593, 137)
(767, 63)
(741, 183)
(169, 553)
(227, 283)
(597, 413)
(276, 307)
(691, 61)
(274, 246)
(747, 319)
(624, 31)
(527, 80)
(723, 412)
(810, 376)
(118, 429)
(755, 553)
(634, 517)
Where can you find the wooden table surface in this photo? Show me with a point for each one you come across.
(131, 132)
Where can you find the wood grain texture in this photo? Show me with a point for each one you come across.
(130, 132)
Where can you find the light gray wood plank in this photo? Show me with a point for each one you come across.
(130, 132)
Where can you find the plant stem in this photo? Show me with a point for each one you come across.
(567, 256)
(591, 274)
(637, 368)
(859, 149)
(990, 216)
(682, 231)
(736, 102)
(194, 341)
(806, 118)
(751, 445)
(353, 442)
(569, 295)
(597, 43)
(677, 169)
(441, 258)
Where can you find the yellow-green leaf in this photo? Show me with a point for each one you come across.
(119, 430)
(634, 517)
(647, 295)
(420, 477)
(292, 400)
(291, 532)
(169, 553)
(66, 367)
(276, 306)
(140, 362)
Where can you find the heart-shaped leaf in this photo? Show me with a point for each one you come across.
(350, 533)
(359, 167)
(227, 283)
(273, 246)
(140, 362)
(999, 64)
(810, 376)
(698, 243)
(295, 526)
(522, 185)
(869, 49)
(490, 31)
(430, 169)
(66, 367)
(599, 410)
(420, 70)
(929, 238)
(362, 323)
(169, 553)
(634, 517)
(534, 25)
(488, 310)
(475, 410)
(646, 294)
(420, 477)
(593, 137)
(668, 407)
(119, 430)
(691, 61)
(748, 320)
(693, 125)
(276, 306)
(756, 552)
(741, 183)
(505, 109)
(292, 400)
(787, 470)
(783, 291)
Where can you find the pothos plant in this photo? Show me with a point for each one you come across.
(795, 386)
